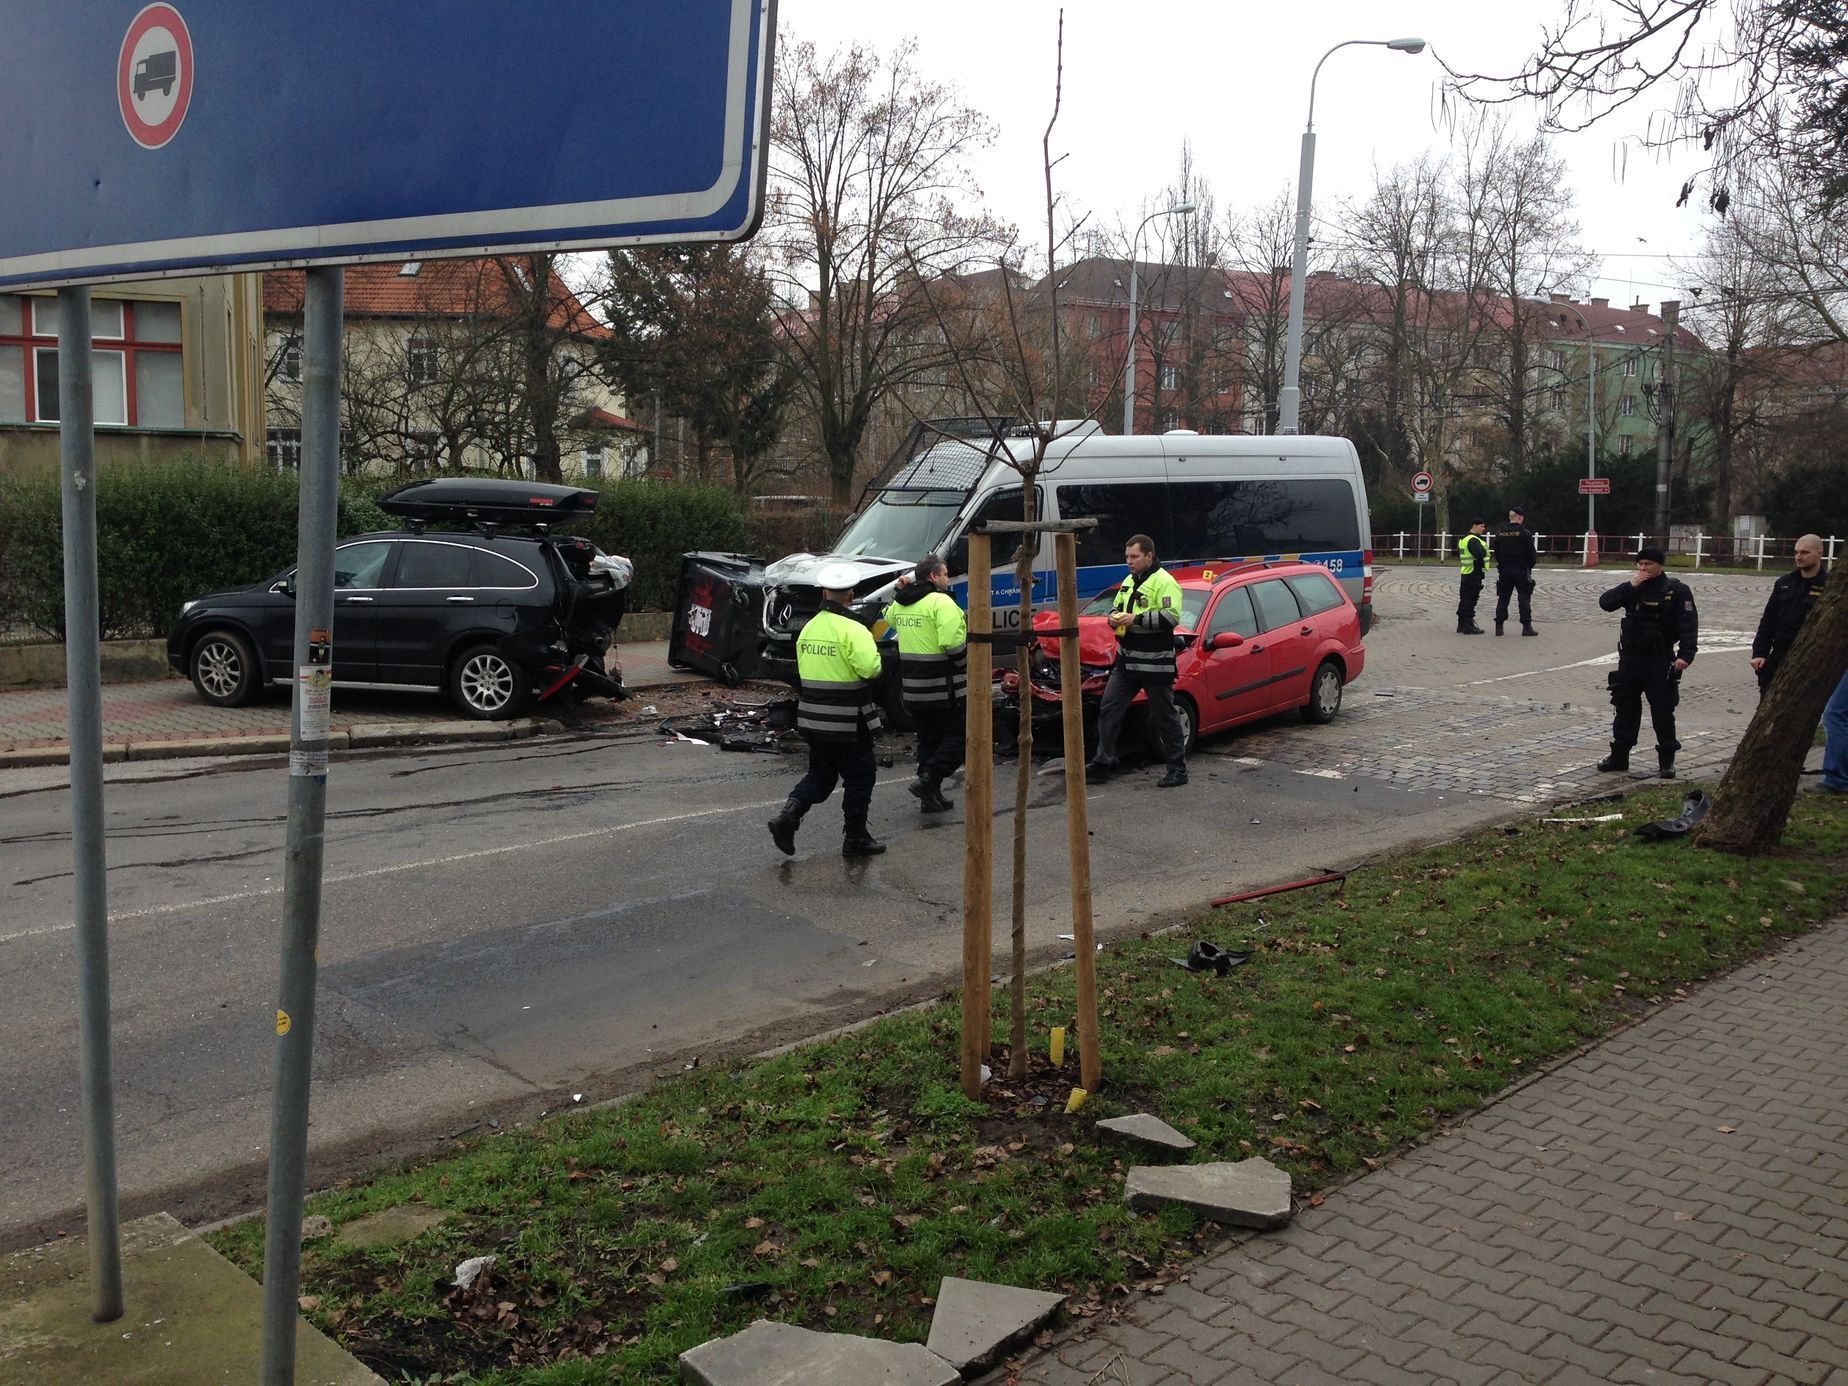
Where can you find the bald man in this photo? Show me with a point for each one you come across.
(1793, 597)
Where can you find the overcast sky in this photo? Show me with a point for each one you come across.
(1232, 78)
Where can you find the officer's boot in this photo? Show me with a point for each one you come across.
(1618, 759)
(856, 841)
(1527, 628)
(927, 790)
(1470, 627)
(783, 826)
(1498, 625)
(1665, 763)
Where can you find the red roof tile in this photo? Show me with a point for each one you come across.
(438, 288)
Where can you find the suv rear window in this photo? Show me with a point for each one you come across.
(1315, 592)
(491, 570)
(432, 563)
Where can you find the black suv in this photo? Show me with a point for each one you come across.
(494, 618)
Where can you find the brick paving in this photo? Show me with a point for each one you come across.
(1670, 1206)
(169, 710)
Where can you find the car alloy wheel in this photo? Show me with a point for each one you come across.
(486, 685)
(1190, 721)
(223, 669)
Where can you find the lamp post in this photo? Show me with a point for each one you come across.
(1591, 420)
(1129, 363)
(1289, 398)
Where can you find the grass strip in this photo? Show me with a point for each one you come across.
(834, 1186)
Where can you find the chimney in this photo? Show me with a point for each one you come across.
(1639, 308)
(1560, 298)
(1600, 303)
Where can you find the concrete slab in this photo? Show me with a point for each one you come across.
(191, 1317)
(390, 1226)
(974, 1320)
(1149, 1132)
(1238, 1193)
(780, 1354)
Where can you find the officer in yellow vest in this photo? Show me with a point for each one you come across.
(1473, 556)
(839, 667)
(933, 639)
(1144, 617)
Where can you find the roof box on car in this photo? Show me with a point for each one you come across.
(470, 500)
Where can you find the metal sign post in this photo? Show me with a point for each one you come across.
(318, 507)
(83, 677)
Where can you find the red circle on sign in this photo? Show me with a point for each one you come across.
(166, 70)
(1421, 481)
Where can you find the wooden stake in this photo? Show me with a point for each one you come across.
(1077, 814)
(978, 822)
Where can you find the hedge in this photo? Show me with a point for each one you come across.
(170, 531)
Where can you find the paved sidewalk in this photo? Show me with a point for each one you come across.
(164, 716)
(1671, 1206)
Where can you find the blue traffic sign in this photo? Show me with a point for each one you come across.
(176, 138)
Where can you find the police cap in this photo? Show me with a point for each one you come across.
(837, 577)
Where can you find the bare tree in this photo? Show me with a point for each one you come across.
(867, 201)
(1752, 82)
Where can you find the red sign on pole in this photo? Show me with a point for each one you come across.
(1594, 486)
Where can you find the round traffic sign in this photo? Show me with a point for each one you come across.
(154, 75)
(1421, 482)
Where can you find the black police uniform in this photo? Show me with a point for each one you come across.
(1659, 627)
(1793, 597)
(1515, 555)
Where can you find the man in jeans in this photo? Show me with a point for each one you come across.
(1147, 610)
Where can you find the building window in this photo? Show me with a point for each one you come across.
(138, 379)
(1169, 420)
(1629, 404)
(1629, 365)
(283, 447)
(420, 361)
(593, 462)
(420, 451)
(1559, 362)
(1093, 327)
(1170, 377)
(1091, 378)
(1624, 445)
(289, 363)
(1559, 399)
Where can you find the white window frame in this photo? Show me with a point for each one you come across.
(283, 451)
(422, 360)
(98, 364)
(289, 362)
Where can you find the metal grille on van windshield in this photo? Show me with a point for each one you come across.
(949, 466)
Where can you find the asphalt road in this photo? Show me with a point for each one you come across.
(508, 926)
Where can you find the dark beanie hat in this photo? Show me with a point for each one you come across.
(1649, 553)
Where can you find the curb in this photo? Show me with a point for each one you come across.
(361, 737)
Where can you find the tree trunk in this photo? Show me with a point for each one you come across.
(1753, 801)
(1023, 782)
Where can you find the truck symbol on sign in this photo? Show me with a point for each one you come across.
(157, 70)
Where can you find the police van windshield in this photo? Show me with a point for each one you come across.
(900, 524)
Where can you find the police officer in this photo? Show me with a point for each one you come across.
(1515, 556)
(1144, 616)
(839, 667)
(1473, 559)
(1793, 597)
(1657, 643)
(933, 641)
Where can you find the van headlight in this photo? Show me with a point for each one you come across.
(187, 606)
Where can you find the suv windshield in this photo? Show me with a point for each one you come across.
(900, 524)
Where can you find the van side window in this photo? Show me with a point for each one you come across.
(1000, 505)
(1236, 519)
(1276, 607)
(1121, 508)
(1234, 614)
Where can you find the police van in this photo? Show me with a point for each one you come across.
(1226, 499)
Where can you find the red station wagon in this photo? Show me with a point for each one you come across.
(1258, 639)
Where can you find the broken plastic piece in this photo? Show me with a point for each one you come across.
(1210, 957)
(470, 1270)
(1693, 808)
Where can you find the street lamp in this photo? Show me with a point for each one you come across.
(1289, 399)
(1591, 425)
(1129, 364)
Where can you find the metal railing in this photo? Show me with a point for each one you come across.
(1723, 550)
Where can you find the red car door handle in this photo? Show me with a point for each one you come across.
(1306, 630)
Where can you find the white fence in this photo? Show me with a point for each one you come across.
(1590, 548)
